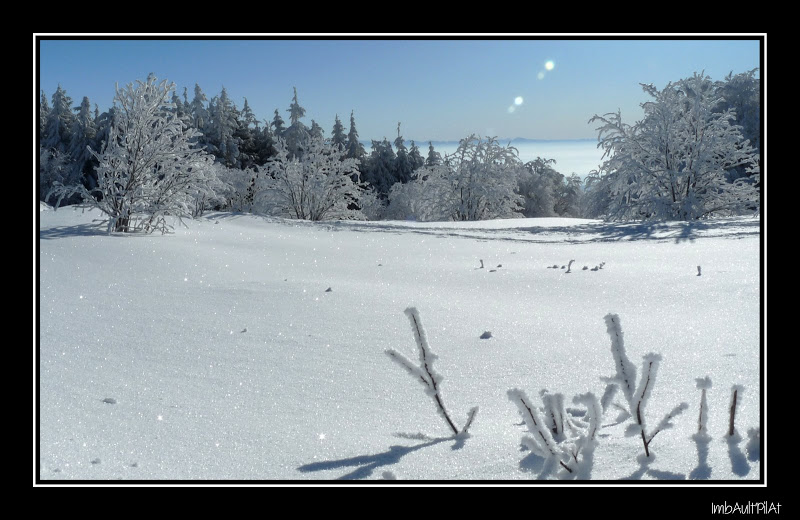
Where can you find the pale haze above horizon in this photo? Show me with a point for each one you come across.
(439, 89)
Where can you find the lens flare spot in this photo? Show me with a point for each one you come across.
(511, 109)
(549, 65)
(540, 75)
(518, 100)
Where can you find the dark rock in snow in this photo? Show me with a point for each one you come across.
(110, 400)
(486, 335)
(328, 290)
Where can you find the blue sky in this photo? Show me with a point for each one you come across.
(438, 88)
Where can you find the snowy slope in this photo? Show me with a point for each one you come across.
(218, 353)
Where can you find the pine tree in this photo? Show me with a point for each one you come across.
(278, 125)
(434, 158)
(200, 116)
(44, 111)
(338, 137)
(295, 110)
(402, 164)
(60, 119)
(245, 134)
(355, 150)
(316, 131)
(415, 157)
(379, 167)
(83, 133)
(221, 129)
(297, 135)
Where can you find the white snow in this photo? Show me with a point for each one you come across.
(144, 372)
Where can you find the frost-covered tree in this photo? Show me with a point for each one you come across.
(742, 93)
(149, 168)
(221, 128)
(568, 196)
(537, 183)
(297, 135)
(200, 116)
(182, 110)
(477, 182)
(378, 169)
(315, 186)
(673, 164)
(245, 136)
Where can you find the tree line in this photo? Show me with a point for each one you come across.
(699, 142)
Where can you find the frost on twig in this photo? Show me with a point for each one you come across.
(424, 373)
(703, 384)
(637, 398)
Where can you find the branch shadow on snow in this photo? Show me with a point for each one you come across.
(739, 464)
(656, 474)
(366, 464)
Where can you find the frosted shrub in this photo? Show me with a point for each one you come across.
(425, 374)
(636, 396)
(150, 167)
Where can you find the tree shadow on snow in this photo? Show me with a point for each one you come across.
(78, 230)
(366, 464)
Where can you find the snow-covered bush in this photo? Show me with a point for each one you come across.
(425, 374)
(149, 168)
(479, 181)
(318, 185)
(636, 396)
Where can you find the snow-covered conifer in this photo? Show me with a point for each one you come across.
(433, 158)
(355, 150)
(59, 122)
(338, 137)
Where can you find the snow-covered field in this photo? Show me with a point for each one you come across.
(246, 348)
